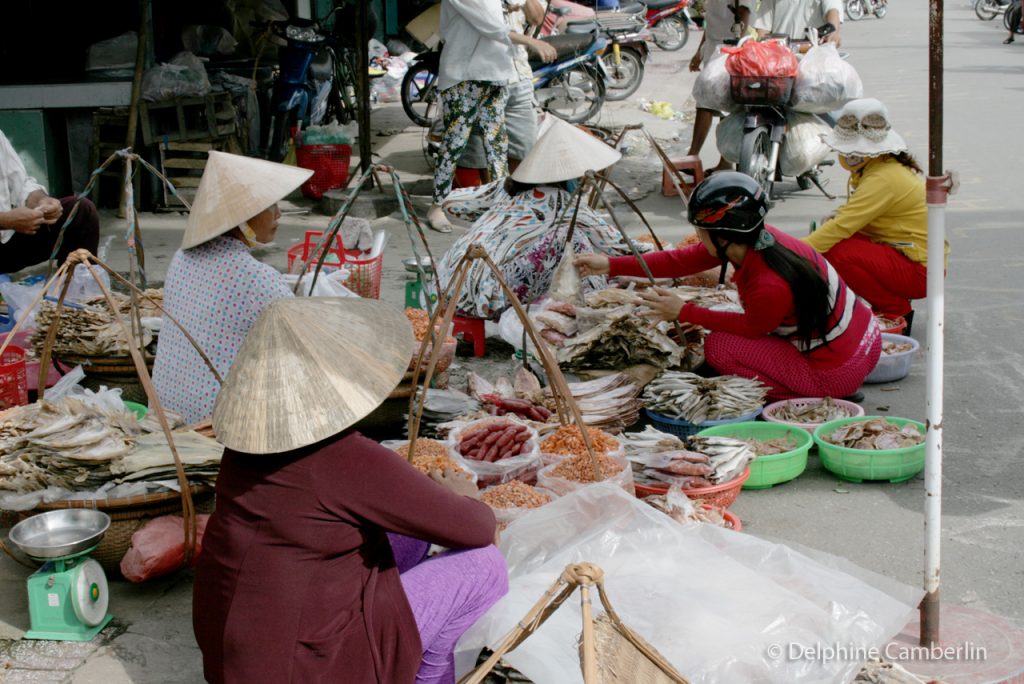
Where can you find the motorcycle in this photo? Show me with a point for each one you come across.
(669, 23)
(858, 9)
(314, 83)
(987, 10)
(624, 63)
(764, 130)
(572, 87)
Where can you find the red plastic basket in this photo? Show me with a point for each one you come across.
(721, 495)
(329, 164)
(13, 379)
(364, 274)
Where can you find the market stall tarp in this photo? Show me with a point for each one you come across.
(721, 606)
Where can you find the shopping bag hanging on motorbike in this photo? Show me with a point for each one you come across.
(761, 73)
(825, 81)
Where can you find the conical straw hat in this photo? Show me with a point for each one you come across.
(563, 152)
(232, 190)
(309, 368)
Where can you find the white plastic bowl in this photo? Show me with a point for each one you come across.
(892, 367)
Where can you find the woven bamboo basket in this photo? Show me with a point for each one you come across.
(127, 515)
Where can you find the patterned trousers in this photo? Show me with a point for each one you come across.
(469, 106)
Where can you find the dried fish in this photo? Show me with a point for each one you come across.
(693, 398)
(90, 328)
(889, 347)
(875, 434)
(566, 285)
(767, 447)
(815, 412)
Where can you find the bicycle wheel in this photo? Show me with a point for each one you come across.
(420, 96)
(671, 33)
(625, 77)
(984, 9)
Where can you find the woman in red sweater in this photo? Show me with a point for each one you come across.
(803, 332)
(314, 564)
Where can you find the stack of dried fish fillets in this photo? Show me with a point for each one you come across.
(610, 403)
(75, 445)
(90, 328)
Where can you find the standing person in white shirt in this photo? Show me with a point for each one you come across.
(30, 220)
(521, 108)
(476, 67)
(794, 17)
(722, 19)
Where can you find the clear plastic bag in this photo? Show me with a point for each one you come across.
(803, 148)
(523, 467)
(729, 137)
(208, 41)
(561, 486)
(712, 89)
(184, 76)
(825, 81)
(715, 603)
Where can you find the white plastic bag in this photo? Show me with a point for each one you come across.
(83, 286)
(729, 136)
(547, 479)
(803, 148)
(717, 604)
(184, 76)
(506, 516)
(712, 88)
(825, 81)
(328, 283)
(523, 467)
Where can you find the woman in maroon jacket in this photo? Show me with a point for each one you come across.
(803, 332)
(314, 564)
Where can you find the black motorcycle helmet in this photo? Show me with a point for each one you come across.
(733, 206)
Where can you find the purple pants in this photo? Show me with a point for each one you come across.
(447, 594)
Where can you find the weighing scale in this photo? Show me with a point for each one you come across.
(417, 292)
(68, 595)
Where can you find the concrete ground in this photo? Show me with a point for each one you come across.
(876, 525)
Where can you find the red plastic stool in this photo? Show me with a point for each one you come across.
(472, 330)
(691, 163)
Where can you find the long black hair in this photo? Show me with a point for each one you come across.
(908, 160)
(810, 289)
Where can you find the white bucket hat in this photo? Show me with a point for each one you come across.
(310, 368)
(863, 129)
(563, 152)
(232, 190)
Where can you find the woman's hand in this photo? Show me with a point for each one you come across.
(591, 264)
(662, 303)
(456, 482)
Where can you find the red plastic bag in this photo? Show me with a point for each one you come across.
(158, 547)
(755, 59)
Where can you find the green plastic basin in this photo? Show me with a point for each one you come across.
(138, 409)
(858, 465)
(770, 470)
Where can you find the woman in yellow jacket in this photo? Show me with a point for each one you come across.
(878, 240)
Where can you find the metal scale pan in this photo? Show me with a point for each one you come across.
(59, 534)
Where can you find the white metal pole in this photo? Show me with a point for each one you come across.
(937, 192)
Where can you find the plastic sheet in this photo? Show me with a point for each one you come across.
(719, 605)
(803, 148)
(712, 89)
(523, 467)
(825, 81)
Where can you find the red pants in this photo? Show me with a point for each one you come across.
(880, 274)
(787, 372)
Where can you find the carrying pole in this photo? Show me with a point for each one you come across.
(939, 186)
(363, 84)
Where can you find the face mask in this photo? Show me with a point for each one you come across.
(850, 161)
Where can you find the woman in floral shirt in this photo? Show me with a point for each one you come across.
(215, 288)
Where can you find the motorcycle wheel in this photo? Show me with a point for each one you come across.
(625, 77)
(583, 93)
(880, 10)
(755, 156)
(420, 97)
(855, 9)
(984, 9)
(671, 33)
(280, 136)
